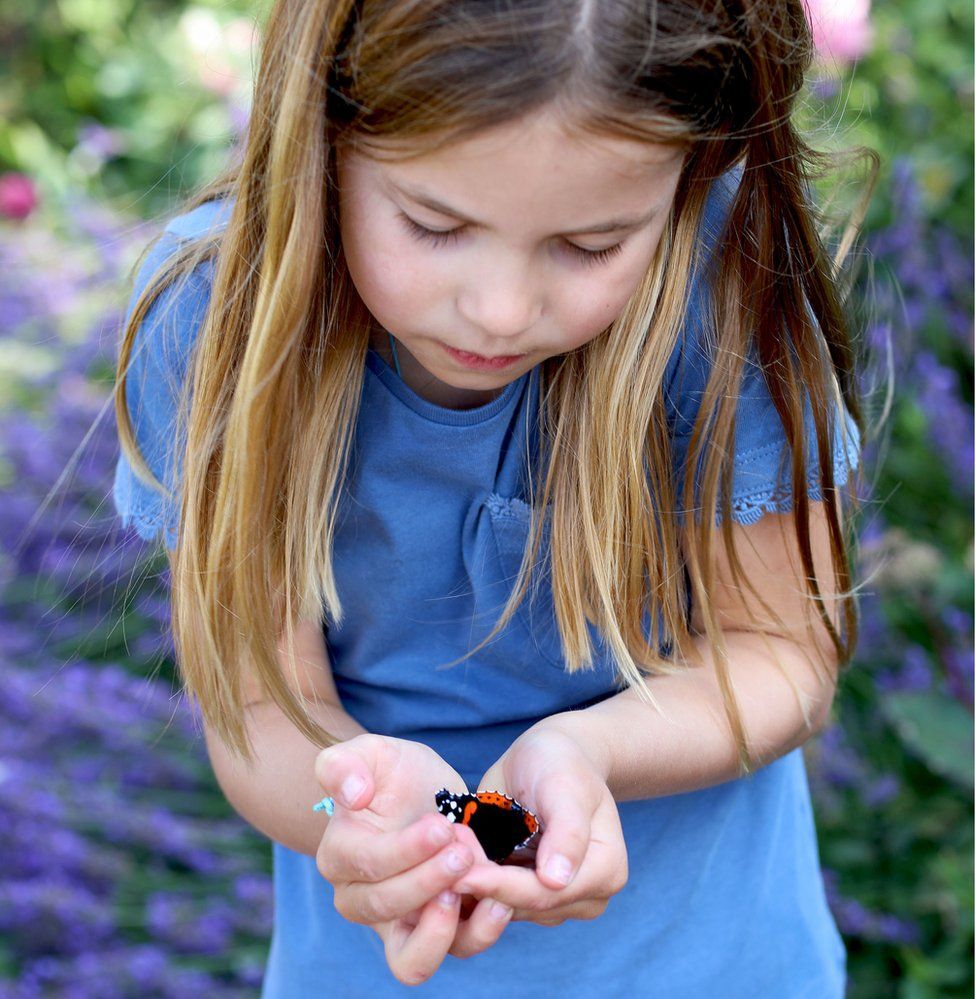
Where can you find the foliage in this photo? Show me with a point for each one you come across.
(135, 101)
(892, 777)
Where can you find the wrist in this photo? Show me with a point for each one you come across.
(583, 730)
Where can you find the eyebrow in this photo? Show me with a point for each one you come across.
(622, 224)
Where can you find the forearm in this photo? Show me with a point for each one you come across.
(276, 793)
(645, 755)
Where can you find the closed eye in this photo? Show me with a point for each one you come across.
(443, 237)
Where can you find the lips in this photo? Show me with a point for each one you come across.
(485, 357)
(481, 362)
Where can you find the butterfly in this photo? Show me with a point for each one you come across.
(501, 824)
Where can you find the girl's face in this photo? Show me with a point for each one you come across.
(526, 240)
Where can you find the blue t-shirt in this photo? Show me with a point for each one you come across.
(725, 895)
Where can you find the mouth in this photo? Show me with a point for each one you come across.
(471, 360)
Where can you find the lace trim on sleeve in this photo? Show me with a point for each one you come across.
(750, 508)
(140, 508)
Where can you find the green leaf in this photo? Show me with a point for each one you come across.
(937, 729)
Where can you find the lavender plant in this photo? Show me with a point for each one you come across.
(893, 777)
(125, 870)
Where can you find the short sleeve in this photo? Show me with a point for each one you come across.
(159, 366)
(762, 476)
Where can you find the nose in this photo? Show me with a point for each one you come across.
(501, 303)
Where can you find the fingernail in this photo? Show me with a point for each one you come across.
(559, 869)
(440, 834)
(447, 899)
(456, 862)
(351, 787)
(499, 912)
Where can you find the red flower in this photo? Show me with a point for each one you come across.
(18, 196)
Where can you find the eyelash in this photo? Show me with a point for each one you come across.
(436, 238)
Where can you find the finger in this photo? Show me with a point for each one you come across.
(415, 954)
(539, 904)
(346, 771)
(589, 908)
(358, 857)
(566, 835)
(481, 929)
(517, 887)
(465, 836)
(395, 897)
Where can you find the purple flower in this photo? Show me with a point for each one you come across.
(857, 920)
(107, 797)
(893, 929)
(914, 672)
(950, 420)
(98, 143)
(122, 972)
(53, 916)
(839, 762)
(881, 790)
(958, 662)
(824, 87)
(874, 633)
(182, 922)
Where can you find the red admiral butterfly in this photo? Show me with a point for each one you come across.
(500, 822)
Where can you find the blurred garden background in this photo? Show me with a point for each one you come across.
(125, 873)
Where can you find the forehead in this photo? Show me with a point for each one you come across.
(537, 171)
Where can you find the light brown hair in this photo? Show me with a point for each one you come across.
(278, 367)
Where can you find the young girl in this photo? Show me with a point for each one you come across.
(519, 308)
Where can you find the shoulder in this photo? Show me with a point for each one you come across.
(210, 217)
(180, 305)
(205, 220)
(718, 206)
(168, 330)
(685, 370)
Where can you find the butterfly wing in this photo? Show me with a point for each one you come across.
(501, 824)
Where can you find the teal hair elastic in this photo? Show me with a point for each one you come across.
(396, 361)
(326, 805)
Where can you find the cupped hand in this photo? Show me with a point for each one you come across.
(391, 858)
(581, 860)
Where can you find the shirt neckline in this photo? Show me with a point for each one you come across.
(441, 414)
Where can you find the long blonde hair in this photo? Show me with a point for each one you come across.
(278, 365)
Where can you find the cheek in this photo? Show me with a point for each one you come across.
(387, 275)
(597, 301)
(382, 260)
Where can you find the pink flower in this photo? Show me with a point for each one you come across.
(18, 196)
(841, 29)
(217, 75)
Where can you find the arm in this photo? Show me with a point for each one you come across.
(388, 855)
(276, 795)
(692, 748)
(646, 755)
(573, 767)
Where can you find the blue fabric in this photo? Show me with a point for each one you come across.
(157, 374)
(725, 895)
(762, 479)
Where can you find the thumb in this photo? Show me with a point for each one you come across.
(345, 772)
(565, 835)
